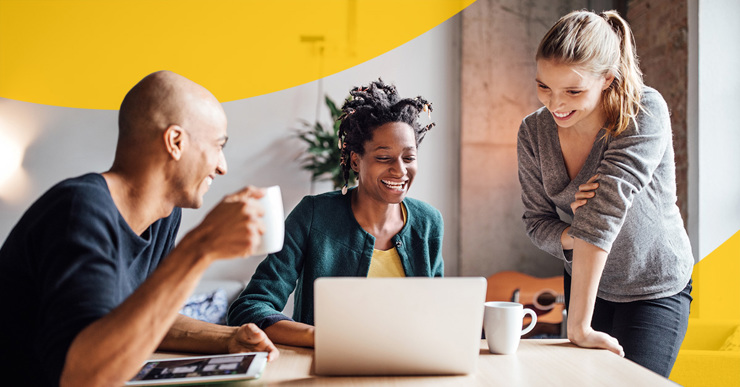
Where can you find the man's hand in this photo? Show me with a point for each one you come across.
(249, 338)
(232, 229)
(585, 192)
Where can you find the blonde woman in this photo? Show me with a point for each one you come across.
(600, 150)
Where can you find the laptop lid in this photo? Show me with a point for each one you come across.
(397, 326)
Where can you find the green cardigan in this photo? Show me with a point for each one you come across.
(323, 239)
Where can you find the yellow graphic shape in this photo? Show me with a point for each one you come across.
(710, 353)
(88, 54)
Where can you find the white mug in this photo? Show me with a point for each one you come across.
(274, 221)
(502, 323)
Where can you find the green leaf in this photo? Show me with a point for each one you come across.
(322, 153)
(335, 112)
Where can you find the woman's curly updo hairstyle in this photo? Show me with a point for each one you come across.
(369, 107)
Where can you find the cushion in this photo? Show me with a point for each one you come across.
(209, 307)
(733, 342)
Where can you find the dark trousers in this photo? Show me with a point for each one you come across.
(650, 331)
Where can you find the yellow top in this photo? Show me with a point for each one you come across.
(387, 263)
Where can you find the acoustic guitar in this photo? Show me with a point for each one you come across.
(543, 295)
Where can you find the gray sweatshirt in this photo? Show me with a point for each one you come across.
(633, 217)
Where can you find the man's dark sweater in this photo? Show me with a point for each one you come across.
(69, 261)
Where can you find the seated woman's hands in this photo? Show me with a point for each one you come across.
(292, 333)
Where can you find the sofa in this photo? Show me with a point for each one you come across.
(709, 355)
(220, 286)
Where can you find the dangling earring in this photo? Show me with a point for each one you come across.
(427, 109)
(343, 162)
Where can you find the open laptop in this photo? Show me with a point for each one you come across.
(397, 326)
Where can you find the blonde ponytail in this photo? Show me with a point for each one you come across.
(622, 99)
(604, 45)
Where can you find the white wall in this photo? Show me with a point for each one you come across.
(64, 142)
(714, 133)
(427, 66)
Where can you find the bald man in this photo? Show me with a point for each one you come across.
(91, 279)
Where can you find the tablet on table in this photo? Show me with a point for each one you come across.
(201, 369)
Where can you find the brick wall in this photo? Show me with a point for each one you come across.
(661, 36)
(499, 39)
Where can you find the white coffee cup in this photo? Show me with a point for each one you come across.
(274, 221)
(502, 323)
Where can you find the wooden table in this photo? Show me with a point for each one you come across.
(536, 363)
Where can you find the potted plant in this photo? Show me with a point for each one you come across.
(323, 153)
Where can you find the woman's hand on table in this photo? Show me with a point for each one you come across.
(590, 338)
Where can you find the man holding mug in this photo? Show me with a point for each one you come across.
(95, 277)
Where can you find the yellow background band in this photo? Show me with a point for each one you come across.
(87, 54)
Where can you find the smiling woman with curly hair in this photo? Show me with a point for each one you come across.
(371, 230)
